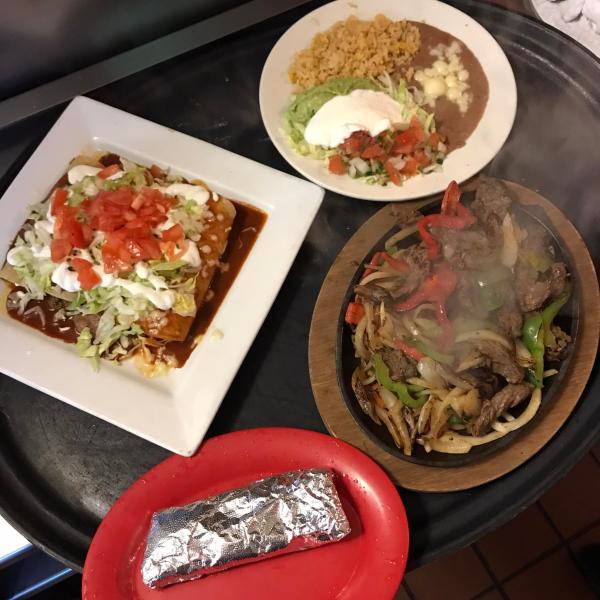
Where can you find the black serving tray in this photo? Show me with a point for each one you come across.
(62, 469)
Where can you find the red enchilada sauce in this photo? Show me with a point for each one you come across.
(247, 225)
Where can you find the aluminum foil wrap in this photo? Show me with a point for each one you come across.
(277, 515)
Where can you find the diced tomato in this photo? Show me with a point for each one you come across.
(59, 200)
(88, 278)
(404, 142)
(421, 158)
(124, 247)
(336, 165)
(108, 171)
(156, 171)
(410, 167)
(373, 151)
(434, 140)
(174, 250)
(59, 249)
(88, 233)
(417, 128)
(354, 313)
(67, 227)
(392, 173)
(356, 142)
(137, 202)
(173, 234)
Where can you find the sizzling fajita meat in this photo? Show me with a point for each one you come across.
(451, 330)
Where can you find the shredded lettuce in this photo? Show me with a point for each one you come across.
(133, 176)
(171, 265)
(185, 304)
(115, 335)
(304, 106)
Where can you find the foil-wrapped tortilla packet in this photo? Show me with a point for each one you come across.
(277, 515)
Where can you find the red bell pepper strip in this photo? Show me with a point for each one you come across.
(435, 289)
(465, 219)
(408, 349)
(451, 199)
(373, 263)
(354, 313)
(453, 216)
(398, 265)
(433, 248)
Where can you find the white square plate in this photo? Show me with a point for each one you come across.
(173, 411)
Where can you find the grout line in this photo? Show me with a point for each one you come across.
(594, 457)
(489, 570)
(408, 591)
(587, 528)
(563, 543)
(550, 522)
(543, 556)
(492, 588)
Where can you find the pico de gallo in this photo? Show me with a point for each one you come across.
(392, 155)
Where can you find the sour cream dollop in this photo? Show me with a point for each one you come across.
(361, 110)
(78, 172)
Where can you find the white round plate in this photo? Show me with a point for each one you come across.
(483, 144)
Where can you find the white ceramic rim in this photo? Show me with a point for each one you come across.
(461, 164)
(176, 410)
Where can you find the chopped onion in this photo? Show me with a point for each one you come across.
(375, 276)
(359, 335)
(526, 416)
(510, 247)
(397, 162)
(361, 166)
(427, 369)
(524, 357)
(389, 398)
(550, 373)
(401, 235)
(484, 334)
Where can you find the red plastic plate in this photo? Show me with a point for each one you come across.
(369, 563)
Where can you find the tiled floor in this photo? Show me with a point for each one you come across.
(532, 557)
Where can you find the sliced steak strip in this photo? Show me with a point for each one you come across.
(559, 352)
(466, 248)
(374, 293)
(503, 362)
(491, 204)
(558, 278)
(531, 292)
(509, 316)
(401, 366)
(492, 200)
(508, 397)
(484, 380)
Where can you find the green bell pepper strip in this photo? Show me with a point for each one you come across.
(382, 373)
(445, 359)
(454, 419)
(551, 311)
(533, 338)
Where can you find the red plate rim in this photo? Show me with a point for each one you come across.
(369, 563)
